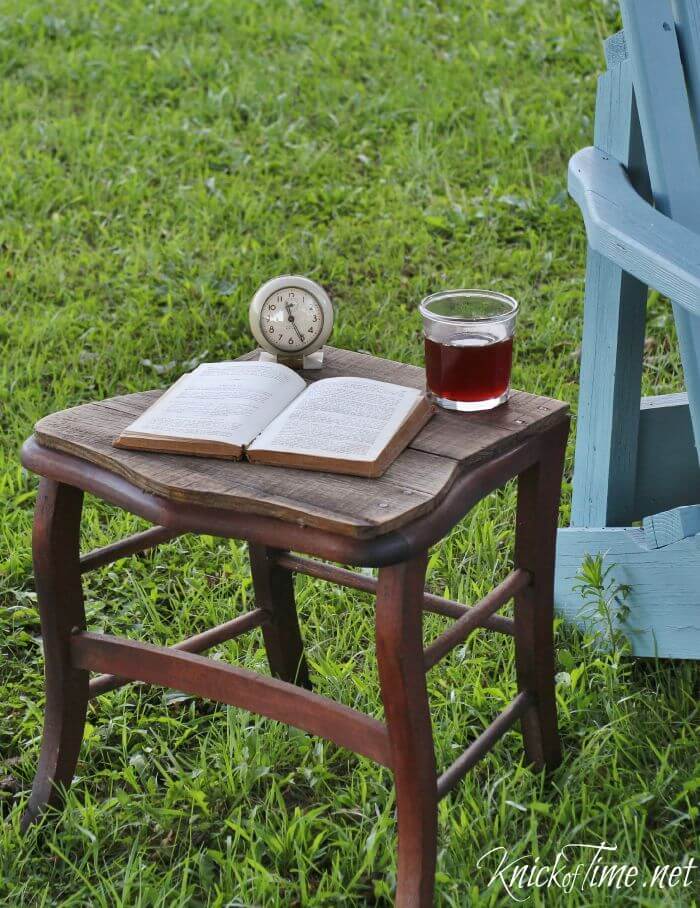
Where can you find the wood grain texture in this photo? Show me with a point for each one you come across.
(413, 484)
(626, 229)
(609, 397)
(235, 686)
(669, 139)
(613, 331)
(535, 545)
(55, 540)
(351, 544)
(664, 108)
(399, 646)
(671, 526)
(664, 619)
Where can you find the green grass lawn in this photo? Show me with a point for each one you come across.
(159, 161)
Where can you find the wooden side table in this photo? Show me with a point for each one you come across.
(389, 523)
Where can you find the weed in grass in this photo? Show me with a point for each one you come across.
(603, 600)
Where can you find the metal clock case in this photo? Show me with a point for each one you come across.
(291, 318)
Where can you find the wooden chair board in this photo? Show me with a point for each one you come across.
(636, 459)
(660, 80)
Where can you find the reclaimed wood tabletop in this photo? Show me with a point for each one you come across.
(348, 505)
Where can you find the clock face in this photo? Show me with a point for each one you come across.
(291, 319)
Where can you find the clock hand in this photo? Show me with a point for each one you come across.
(288, 307)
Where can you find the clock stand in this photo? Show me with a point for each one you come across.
(305, 362)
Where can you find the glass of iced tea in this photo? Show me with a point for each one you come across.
(468, 347)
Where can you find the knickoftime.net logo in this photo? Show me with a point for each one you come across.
(581, 867)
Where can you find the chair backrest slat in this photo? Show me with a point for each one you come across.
(664, 108)
(617, 129)
(668, 131)
(611, 371)
(687, 16)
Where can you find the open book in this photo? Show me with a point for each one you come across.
(266, 413)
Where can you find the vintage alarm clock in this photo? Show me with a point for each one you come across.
(291, 318)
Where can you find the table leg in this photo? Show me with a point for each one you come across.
(274, 594)
(402, 679)
(536, 529)
(55, 544)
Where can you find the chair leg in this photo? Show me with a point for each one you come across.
(402, 679)
(55, 544)
(536, 528)
(274, 593)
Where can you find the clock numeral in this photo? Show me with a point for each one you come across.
(272, 306)
(272, 329)
(291, 341)
(315, 318)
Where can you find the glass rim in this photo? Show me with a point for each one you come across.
(509, 301)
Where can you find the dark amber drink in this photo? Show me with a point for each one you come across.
(476, 370)
(468, 347)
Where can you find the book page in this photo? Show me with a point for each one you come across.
(345, 418)
(229, 402)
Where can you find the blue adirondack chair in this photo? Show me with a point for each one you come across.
(636, 495)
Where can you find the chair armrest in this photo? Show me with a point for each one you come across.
(630, 232)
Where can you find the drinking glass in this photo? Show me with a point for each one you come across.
(468, 347)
